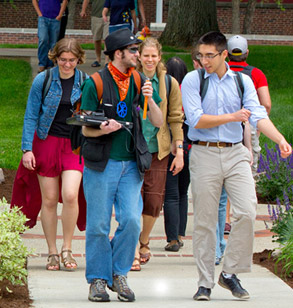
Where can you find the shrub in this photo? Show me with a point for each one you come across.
(13, 253)
(275, 176)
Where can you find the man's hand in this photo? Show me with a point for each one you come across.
(242, 115)
(110, 126)
(29, 161)
(285, 148)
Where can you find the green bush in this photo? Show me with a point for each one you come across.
(13, 253)
(285, 256)
(275, 176)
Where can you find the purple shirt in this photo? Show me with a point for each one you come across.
(50, 8)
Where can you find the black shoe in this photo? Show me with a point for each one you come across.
(125, 294)
(233, 284)
(98, 291)
(202, 294)
(172, 247)
(181, 244)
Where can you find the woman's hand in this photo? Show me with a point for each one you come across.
(29, 161)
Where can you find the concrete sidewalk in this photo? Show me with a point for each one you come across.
(168, 280)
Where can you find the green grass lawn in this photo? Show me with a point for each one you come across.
(15, 81)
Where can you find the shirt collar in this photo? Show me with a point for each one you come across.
(155, 78)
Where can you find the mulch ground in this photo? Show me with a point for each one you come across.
(20, 296)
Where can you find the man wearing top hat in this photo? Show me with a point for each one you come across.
(111, 174)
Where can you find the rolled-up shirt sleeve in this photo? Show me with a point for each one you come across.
(191, 99)
(251, 102)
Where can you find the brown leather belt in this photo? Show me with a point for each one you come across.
(214, 144)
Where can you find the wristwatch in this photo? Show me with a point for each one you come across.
(180, 146)
(24, 151)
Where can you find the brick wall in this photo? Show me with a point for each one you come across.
(268, 20)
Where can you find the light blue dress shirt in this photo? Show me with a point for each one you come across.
(221, 98)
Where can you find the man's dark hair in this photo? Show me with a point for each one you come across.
(240, 58)
(176, 67)
(215, 38)
(111, 54)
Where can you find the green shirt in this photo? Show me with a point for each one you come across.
(97, 8)
(122, 142)
(150, 131)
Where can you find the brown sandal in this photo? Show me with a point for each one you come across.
(67, 259)
(144, 257)
(136, 265)
(53, 261)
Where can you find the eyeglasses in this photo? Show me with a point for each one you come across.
(132, 50)
(208, 57)
(70, 61)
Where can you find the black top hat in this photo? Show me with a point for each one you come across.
(119, 39)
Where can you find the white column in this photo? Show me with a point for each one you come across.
(159, 11)
(158, 25)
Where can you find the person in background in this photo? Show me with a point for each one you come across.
(49, 13)
(159, 142)
(176, 199)
(99, 27)
(237, 54)
(122, 14)
(139, 11)
(63, 24)
(218, 157)
(47, 152)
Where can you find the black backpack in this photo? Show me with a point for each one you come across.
(247, 70)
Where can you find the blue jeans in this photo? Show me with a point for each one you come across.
(118, 184)
(176, 201)
(221, 243)
(48, 32)
(113, 28)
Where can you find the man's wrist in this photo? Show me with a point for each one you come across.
(25, 151)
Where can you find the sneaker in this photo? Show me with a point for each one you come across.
(227, 229)
(233, 284)
(98, 291)
(202, 294)
(125, 294)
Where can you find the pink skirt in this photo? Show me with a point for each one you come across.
(53, 156)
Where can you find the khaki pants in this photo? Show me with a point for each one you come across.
(210, 168)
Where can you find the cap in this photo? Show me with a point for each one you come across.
(119, 39)
(237, 42)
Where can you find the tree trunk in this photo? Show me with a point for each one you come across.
(236, 16)
(188, 20)
(71, 7)
(249, 16)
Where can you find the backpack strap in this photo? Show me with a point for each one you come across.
(239, 84)
(204, 83)
(247, 70)
(82, 77)
(96, 77)
(168, 82)
(47, 83)
(137, 80)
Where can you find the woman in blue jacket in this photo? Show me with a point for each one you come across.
(47, 150)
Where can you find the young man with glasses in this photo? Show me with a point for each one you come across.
(219, 158)
(111, 174)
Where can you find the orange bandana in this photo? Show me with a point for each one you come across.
(122, 80)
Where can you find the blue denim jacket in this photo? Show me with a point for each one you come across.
(39, 116)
